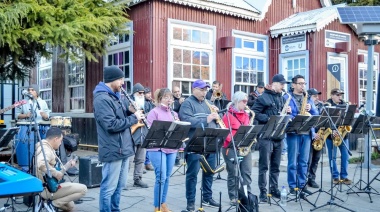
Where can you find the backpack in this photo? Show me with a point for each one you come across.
(250, 204)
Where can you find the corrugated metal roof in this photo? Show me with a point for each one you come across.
(310, 21)
(247, 9)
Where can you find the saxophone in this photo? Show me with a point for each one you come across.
(303, 106)
(323, 134)
(218, 120)
(343, 130)
(243, 151)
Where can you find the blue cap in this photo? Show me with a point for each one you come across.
(200, 84)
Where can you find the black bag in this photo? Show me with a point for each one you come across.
(250, 204)
(70, 143)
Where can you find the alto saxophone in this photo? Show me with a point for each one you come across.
(243, 151)
(303, 106)
(218, 120)
(343, 130)
(322, 132)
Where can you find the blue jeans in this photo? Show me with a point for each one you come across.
(344, 159)
(163, 164)
(193, 167)
(114, 179)
(298, 157)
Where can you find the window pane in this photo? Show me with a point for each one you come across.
(205, 73)
(246, 76)
(205, 37)
(177, 55)
(196, 72)
(177, 70)
(187, 71)
(296, 64)
(260, 65)
(177, 33)
(253, 64)
(186, 56)
(302, 63)
(238, 76)
(238, 62)
(245, 63)
(260, 46)
(186, 35)
(196, 35)
(249, 44)
(238, 43)
(290, 64)
(196, 57)
(205, 58)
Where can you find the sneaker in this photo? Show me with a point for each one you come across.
(190, 206)
(276, 193)
(292, 192)
(233, 202)
(312, 184)
(307, 191)
(347, 181)
(263, 197)
(336, 181)
(149, 167)
(140, 183)
(210, 203)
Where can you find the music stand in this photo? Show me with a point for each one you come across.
(363, 126)
(301, 125)
(245, 136)
(275, 127)
(333, 115)
(6, 135)
(168, 135)
(205, 140)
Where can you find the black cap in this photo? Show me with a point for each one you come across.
(336, 91)
(137, 88)
(147, 90)
(112, 73)
(313, 91)
(260, 85)
(279, 78)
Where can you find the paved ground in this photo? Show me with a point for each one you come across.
(138, 199)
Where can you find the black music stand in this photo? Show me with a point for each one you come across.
(324, 123)
(204, 141)
(275, 127)
(168, 135)
(6, 135)
(334, 116)
(363, 125)
(245, 137)
(301, 125)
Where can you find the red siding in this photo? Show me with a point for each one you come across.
(94, 74)
(150, 20)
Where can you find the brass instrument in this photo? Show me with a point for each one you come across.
(218, 95)
(218, 120)
(323, 134)
(286, 105)
(303, 106)
(141, 122)
(243, 151)
(343, 130)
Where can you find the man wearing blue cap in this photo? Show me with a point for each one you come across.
(195, 110)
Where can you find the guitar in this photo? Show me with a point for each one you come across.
(16, 104)
(52, 183)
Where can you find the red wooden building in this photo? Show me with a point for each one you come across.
(237, 42)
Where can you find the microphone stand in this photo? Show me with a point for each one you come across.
(332, 198)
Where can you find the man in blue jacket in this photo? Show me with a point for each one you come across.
(298, 145)
(114, 137)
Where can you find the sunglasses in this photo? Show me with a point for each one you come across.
(141, 92)
(244, 101)
(338, 94)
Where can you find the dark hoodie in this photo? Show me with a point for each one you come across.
(112, 124)
(268, 104)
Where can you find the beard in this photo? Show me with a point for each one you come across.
(140, 100)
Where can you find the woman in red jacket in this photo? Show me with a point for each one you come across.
(235, 117)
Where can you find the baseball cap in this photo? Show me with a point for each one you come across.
(260, 85)
(313, 91)
(336, 91)
(200, 84)
(279, 78)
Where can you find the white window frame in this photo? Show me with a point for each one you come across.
(45, 63)
(363, 65)
(250, 53)
(173, 43)
(122, 47)
(69, 87)
(286, 56)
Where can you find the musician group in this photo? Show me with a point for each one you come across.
(122, 121)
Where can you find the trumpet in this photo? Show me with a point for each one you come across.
(218, 95)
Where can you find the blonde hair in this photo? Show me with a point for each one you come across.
(159, 93)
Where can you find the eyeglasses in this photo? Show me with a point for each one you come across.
(167, 97)
(338, 94)
(30, 89)
(202, 89)
(301, 83)
(244, 101)
(141, 92)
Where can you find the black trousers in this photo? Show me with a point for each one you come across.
(269, 158)
(313, 162)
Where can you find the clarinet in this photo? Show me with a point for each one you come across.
(172, 112)
(133, 105)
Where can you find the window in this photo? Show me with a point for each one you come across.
(191, 54)
(250, 61)
(119, 53)
(45, 80)
(294, 63)
(76, 85)
(363, 78)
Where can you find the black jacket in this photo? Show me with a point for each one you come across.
(268, 104)
(112, 125)
(176, 104)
